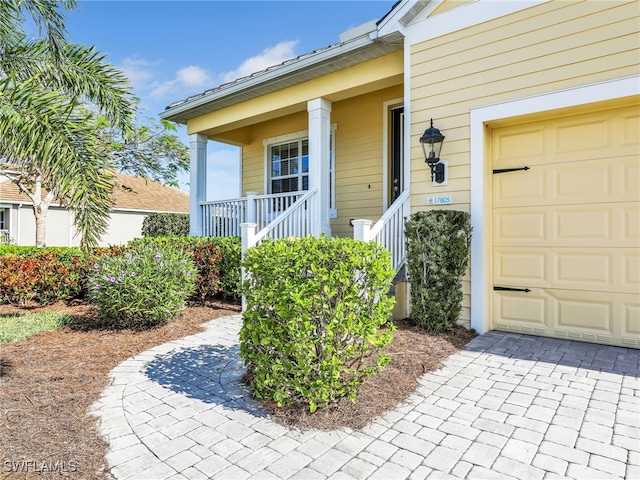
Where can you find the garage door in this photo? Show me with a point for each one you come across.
(566, 227)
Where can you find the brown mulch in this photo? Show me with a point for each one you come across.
(49, 381)
(413, 353)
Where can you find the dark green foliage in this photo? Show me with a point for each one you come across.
(166, 225)
(438, 243)
(217, 260)
(314, 311)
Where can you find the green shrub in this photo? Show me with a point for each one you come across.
(314, 311)
(43, 276)
(143, 286)
(438, 243)
(217, 260)
(166, 225)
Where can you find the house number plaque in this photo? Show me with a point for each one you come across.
(442, 200)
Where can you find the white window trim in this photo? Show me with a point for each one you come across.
(270, 142)
(481, 177)
(291, 137)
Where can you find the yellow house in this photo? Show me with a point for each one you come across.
(539, 103)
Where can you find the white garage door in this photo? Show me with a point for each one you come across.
(566, 227)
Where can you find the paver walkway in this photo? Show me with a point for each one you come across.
(509, 406)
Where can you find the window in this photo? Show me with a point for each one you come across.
(3, 220)
(289, 164)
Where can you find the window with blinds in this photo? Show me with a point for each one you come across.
(290, 166)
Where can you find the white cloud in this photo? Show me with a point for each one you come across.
(188, 78)
(137, 71)
(270, 56)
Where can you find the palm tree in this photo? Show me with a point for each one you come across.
(54, 99)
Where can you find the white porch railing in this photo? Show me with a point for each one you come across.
(388, 231)
(5, 237)
(222, 218)
(295, 221)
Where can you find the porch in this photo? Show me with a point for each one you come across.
(255, 218)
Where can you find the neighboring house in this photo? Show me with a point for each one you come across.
(553, 86)
(133, 203)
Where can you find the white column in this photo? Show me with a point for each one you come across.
(198, 182)
(319, 144)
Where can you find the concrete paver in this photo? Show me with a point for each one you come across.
(508, 406)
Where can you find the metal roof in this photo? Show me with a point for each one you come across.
(324, 61)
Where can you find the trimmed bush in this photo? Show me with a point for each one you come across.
(43, 276)
(315, 308)
(166, 225)
(438, 243)
(144, 286)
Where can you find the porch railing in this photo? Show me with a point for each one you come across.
(388, 231)
(222, 218)
(295, 221)
(5, 237)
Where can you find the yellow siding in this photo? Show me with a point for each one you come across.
(359, 144)
(359, 157)
(359, 79)
(549, 47)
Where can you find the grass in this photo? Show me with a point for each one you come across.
(18, 326)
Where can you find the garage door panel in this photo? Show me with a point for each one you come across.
(602, 225)
(631, 323)
(630, 184)
(522, 312)
(598, 317)
(568, 228)
(630, 228)
(518, 145)
(520, 227)
(583, 269)
(521, 267)
(583, 225)
(630, 128)
(519, 188)
(615, 179)
(630, 271)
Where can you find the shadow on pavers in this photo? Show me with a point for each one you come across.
(209, 373)
(557, 351)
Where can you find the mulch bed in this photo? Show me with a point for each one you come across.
(49, 381)
(413, 353)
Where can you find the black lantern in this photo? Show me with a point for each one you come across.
(432, 145)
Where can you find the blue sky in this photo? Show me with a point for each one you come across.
(173, 49)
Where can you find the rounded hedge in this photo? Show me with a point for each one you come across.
(313, 325)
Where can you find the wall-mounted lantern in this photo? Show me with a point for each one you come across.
(432, 141)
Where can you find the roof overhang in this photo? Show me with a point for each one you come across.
(293, 72)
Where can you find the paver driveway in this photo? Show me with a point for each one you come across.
(509, 406)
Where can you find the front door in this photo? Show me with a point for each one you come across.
(396, 154)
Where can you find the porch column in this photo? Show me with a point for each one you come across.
(198, 182)
(319, 144)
